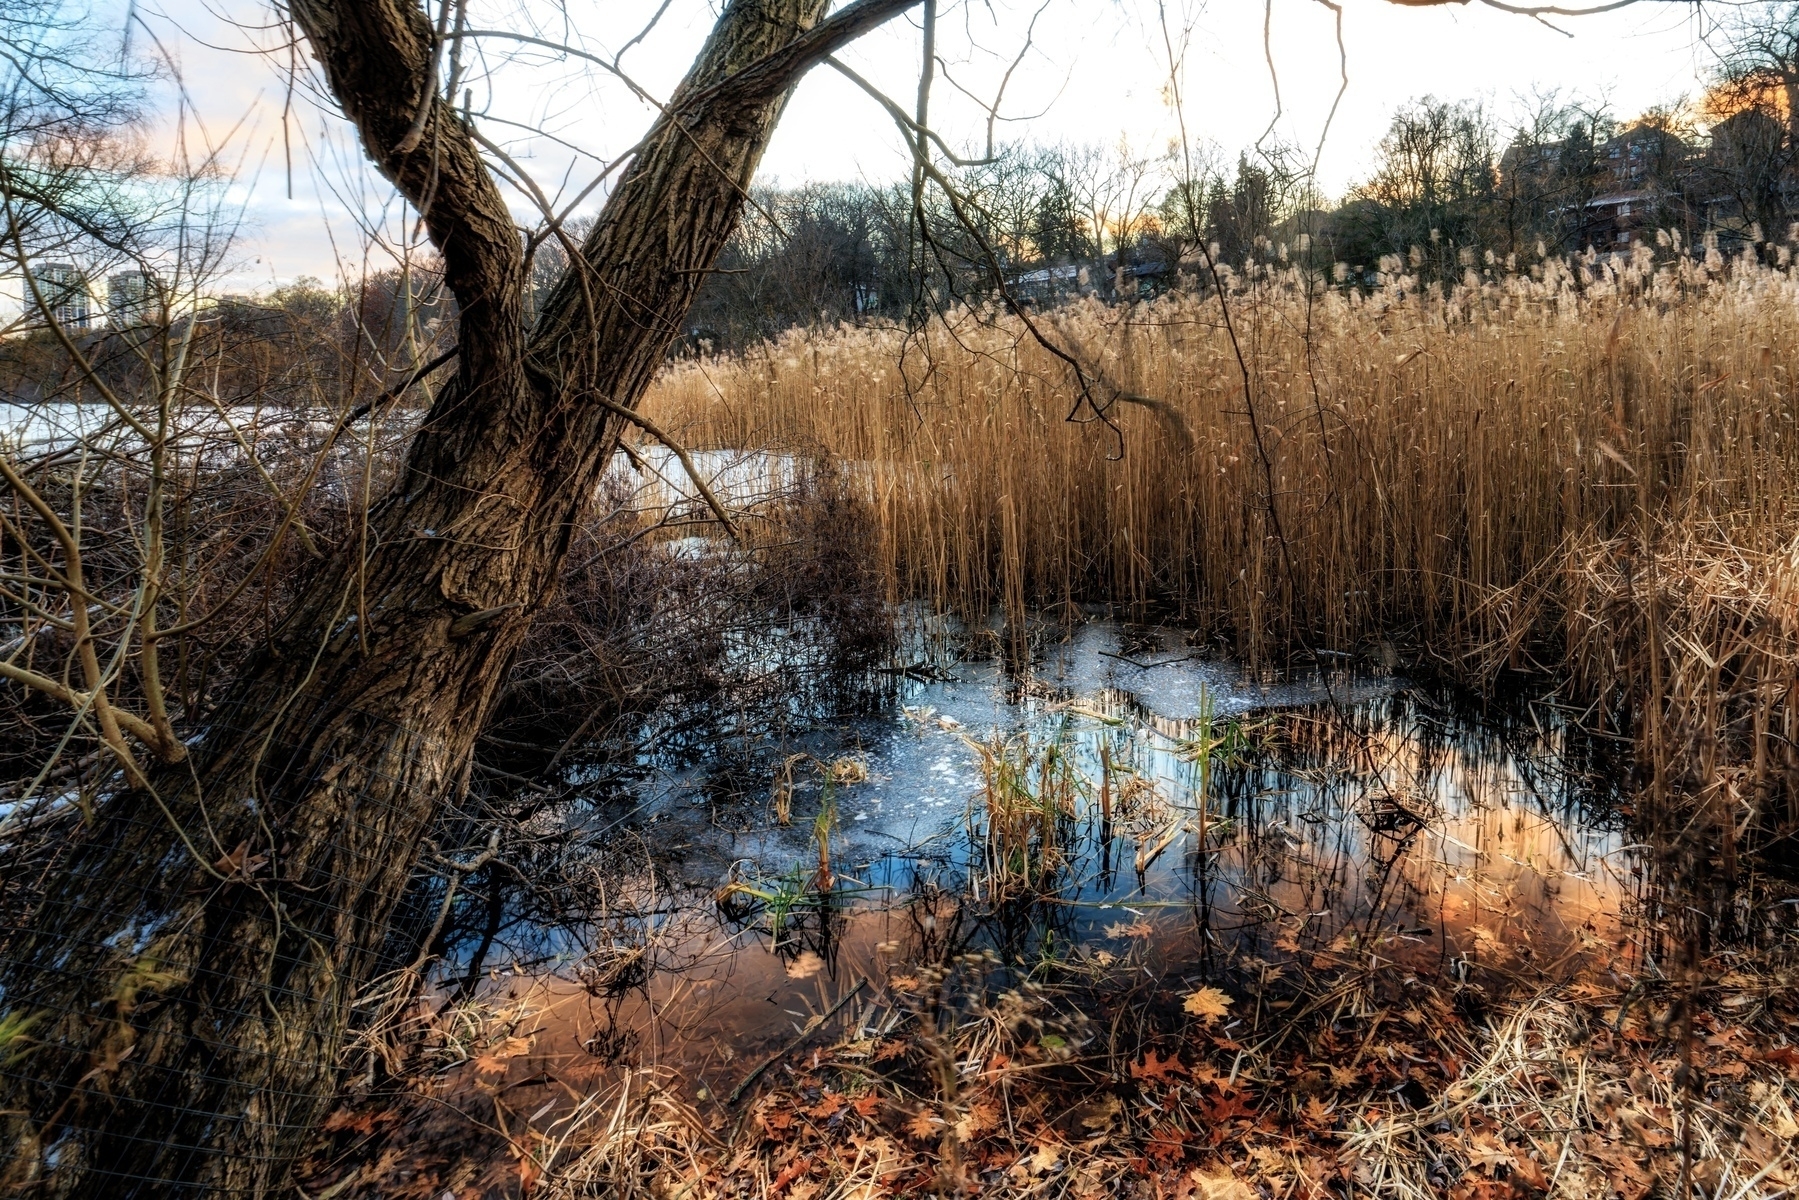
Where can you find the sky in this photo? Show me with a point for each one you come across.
(1093, 71)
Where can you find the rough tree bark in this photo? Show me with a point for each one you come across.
(190, 972)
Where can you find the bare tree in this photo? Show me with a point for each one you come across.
(1756, 135)
(1757, 46)
(191, 967)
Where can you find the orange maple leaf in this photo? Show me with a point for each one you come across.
(1487, 1152)
(1530, 1171)
(1155, 1067)
(791, 1172)
(887, 1050)
(981, 1116)
(345, 1119)
(1167, 1144)
(826, 1107)
(924, 1125)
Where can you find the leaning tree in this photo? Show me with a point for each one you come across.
(172, 1014)
(191, 969)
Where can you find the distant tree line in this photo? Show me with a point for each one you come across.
(1451, 186)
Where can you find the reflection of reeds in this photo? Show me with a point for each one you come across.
(1508, 472)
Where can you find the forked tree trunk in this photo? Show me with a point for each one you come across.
(189, 975)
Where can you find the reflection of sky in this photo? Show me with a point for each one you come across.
(1309, 838)
(1513, 873)
(1093, 72)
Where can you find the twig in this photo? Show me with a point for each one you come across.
(680, 452)
(812, 1027)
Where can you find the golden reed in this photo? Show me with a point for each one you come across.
(1588, 465)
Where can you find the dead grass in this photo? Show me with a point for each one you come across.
(1330, 1077)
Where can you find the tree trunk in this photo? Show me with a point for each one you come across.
(190, 969)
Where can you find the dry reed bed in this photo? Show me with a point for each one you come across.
(1589, 464)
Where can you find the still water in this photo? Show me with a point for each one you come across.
(1207, 826)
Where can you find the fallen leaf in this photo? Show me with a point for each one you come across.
(1167, 1144)
(827, 1107)
(1134, 929)
(1100, 1114)
(805, 966)
(346, 1120)
(981, 1116)
(923, 1125)
(1208, 1002)
(1219, 1184)
(1155, 1067)
(1487, 1152)
(1530, 1172)
(849, 771)
(791, 1172)
(1227, 1108)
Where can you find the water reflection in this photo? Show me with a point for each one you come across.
(1209, 827)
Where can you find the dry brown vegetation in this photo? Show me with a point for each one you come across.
(1582, 465)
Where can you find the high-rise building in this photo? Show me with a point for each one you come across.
(130, 298)
(64, 289)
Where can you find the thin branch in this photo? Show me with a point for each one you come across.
(687, 464)
(1342, 86)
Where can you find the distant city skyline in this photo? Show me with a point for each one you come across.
(1085, 80)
